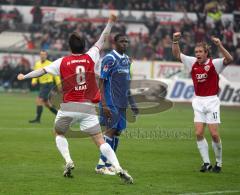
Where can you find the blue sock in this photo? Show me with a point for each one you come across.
(103, 158)
(115, 143)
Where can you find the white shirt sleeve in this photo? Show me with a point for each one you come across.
(54, 67)
(188, 61)
(218, 64)
(94, 54)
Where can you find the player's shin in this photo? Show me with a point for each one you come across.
(115, 143)
(103, 160)
(62, 145)
(203, 149)
(217, 148)
(53, 110)
(108, 152)
(39, 112)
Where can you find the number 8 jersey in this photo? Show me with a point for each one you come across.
(78, 77)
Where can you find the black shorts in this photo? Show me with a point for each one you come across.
(45, 90)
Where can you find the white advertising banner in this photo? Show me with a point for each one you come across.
(161, 69)
(141, 69)
(166, 69)
(182, 90)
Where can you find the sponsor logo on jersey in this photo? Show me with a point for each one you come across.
(123, 70)
(201, 76)
(105, 68)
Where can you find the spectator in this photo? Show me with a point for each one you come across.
(37, 17)
(167, 47)
(6, 74)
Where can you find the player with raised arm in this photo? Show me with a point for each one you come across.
(80, 92)
(206, 104)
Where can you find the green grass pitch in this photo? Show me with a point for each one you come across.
(159, 151)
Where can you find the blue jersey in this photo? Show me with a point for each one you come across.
(115, 70)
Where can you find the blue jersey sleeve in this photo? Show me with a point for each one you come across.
(106, 66)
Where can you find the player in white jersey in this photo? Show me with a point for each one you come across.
(206, 104)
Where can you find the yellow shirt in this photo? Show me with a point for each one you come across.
(47, 78)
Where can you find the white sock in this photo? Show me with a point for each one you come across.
(62, 145)
(108, 152)
(217, 148)
(203, 149)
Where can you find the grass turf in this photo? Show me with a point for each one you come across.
(159, 151)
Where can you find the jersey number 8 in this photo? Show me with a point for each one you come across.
(80, 75)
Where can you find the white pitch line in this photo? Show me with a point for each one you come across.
(214, 192)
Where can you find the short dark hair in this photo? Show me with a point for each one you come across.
(117, 36)
(76, 43)
(43, 50)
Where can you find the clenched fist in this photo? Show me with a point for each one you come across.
(113, 16)
(20, 77)
(176, 36)
(216, 41)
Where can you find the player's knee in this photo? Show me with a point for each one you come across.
(199, 134)
(110, 133)
(117, 133)
(62, 125)
(46, 104)
(38, 100)
(59, 132)
(215, 137)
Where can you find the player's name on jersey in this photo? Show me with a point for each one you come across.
(77, 61)
(80, 87)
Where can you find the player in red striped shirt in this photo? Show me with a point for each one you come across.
(80, 92)
(206, 105)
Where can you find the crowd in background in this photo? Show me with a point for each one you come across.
(156, 44)
(9, 72)
(227, 6)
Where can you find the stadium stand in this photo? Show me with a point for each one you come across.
(152, 5)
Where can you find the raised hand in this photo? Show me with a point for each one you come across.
(113, 16)
(216, 41)
(176, 36)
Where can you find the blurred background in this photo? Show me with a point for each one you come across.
(27, 26)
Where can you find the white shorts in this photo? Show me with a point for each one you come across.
(206, 109)
(86, 116)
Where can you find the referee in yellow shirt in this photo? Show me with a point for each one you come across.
(46, 84)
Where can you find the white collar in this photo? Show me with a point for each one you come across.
(118, 54)
(207, 61)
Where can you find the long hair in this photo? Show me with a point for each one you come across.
(205, 46)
